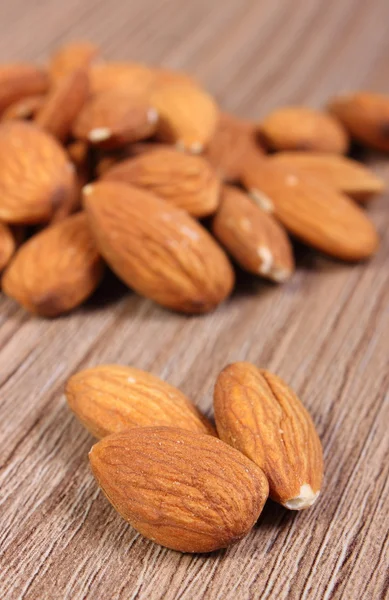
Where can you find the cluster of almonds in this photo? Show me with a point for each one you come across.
(119, 161)
(161, 465)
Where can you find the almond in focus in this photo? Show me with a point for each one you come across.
(258, 414)
(187, 491)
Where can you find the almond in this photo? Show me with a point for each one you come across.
(187, 114)
(115, 118)
(111, 398)
(78, 152)
(7, 245)
(300, 128)
(183, 180)
(312, 210)
(56, 269)
(258, 414)
(186, 491)
(72, 56)
(131, 77)
(255, 239)
(365, 116)
(157, 249)
(63, 104)
(344, 174)
(25, 108)
(229, 146)
(36, 177)
(20, 80)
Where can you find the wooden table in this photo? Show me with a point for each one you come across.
(326, 332)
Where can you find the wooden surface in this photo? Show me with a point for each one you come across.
(326, 332)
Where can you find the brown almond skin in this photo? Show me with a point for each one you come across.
(258, 414)
(37, 179)
(72, 56)
(312, 210)
(113, 75)
(56, 269)
(184, 180)
(112, 398)
(301, 128)
(186, 491)
(114, 118)
(24, 109)
(365, 115)
(188, 115)
(344, 174)
(20, 80)
(158, 250)
(255, 239)
(63, 104)
(7, 245)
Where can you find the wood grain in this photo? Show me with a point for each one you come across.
(325, 332)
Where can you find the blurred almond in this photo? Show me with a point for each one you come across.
(258, 414)
(255, 239)
(7, 245)
(25, 108)
(157, 249)
(344, 174)
(112, 398)
(301, 128)
(56, 269)
(184, 180)
(115, 118)
(70, 57)
(365, 116)
(20, 80)
(135, 78)
(312, 210)
(187, 114)
(63, 104)
(36, 176)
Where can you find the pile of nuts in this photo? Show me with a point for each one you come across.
(163, 468)
(115, 163)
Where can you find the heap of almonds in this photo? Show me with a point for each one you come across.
(116, 162)
(161, 465)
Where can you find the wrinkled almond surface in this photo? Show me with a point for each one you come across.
(56, 269)
(186, 491)
(20, 80)
(157, 249)
(72, 56)
(258, 414)
(344, 174)
(312, 210)
(7, 245)
(301, 128)
(36, 176)
(112, 398)
(184, 180)
(254, 238)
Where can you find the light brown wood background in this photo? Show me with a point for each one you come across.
(326, 332)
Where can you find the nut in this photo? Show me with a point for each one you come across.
(72, 56)
(25, 108)
(134, 77)
(7, 245)
(20, 80)
(111, 398)
(258, 414)
(186, 491)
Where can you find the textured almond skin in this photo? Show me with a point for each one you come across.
(36, 177)
(301, 128)
(186, 491)
(7, 245)
(72, 56)
(112, 398)
(114, 118)
(134, 77)
(20, 80)
(258, 414)
(365, 116)
(229, 146)
(187, 114)
(255, 239)
(56, 269)
(63, 104)
(25, 108)
(344, 174)
(184, 180)
(312, 210)
(158, 250)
